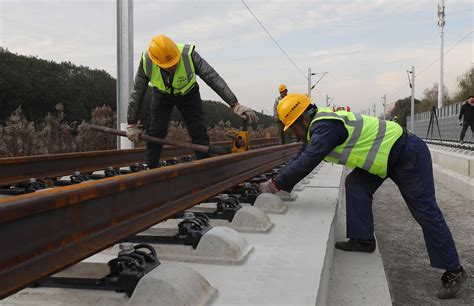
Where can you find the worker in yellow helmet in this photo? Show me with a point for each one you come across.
(375, 149)
(283, 92)
(171, 69)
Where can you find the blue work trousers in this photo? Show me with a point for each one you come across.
(413, 173)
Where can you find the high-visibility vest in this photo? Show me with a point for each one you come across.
(368, 143)
(184, 77)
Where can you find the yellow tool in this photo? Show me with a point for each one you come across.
(240, 139)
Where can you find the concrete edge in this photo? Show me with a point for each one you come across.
(454, 181)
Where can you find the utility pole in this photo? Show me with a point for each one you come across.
(124, 66)
(384, 103)
(441, 23)
(327, 100)
(310, 87)
(309, 82)
(412, 105)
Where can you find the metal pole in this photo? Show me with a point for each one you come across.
(124, 66)
(309, 82)
(384, 103)
(412, 106)
(441, 23)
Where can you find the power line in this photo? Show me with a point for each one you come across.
(445, 53)
(273, 39)
(431, 64)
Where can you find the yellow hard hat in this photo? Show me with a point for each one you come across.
(282, 87)
(291, 108)
(163, 51)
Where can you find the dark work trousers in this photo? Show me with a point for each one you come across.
(280, 127)
(465, 125)
(190, 107)
(412, 171)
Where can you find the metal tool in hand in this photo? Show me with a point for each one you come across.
(212, 150)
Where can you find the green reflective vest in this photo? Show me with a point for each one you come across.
(184, 77)
(368, 143)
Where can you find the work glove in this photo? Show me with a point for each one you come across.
(269, 186)
(133, 133)
(245, 113)
(460, 122)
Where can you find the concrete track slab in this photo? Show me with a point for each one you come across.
(356, 278)
(287, 264)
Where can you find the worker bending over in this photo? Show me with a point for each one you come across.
(171, 71)
(375, 149)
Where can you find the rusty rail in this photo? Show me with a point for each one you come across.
(20, 169)
(45, 232)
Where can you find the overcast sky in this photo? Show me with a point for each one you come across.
(365, 46)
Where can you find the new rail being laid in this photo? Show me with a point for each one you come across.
(47, 231)
(19, 169)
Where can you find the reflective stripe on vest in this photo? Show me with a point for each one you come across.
(184, 77)
(372, 144)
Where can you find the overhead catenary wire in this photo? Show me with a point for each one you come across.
(432, 63)
(445, 53)
(273, 39)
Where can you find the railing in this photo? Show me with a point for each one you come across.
(448, 123)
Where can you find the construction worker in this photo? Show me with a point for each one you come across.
(283, 92)
(375, 149)
(171, 71)
(467, 111)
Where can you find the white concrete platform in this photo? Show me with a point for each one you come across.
(454, 168)
(286, 267)
(356, 278)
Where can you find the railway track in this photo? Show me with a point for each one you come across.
(50, 230)
(20, 169)
(451, 144)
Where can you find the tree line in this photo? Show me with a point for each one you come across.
(37, 86)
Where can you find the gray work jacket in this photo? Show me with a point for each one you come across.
(275, 105)
(202, 68)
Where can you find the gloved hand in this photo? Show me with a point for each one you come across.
(460, 122)
(269, 186)
(133, 132)
(245, 113)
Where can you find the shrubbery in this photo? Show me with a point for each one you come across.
(20, 137)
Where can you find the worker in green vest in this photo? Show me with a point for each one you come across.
(375, 149)
(171, 69)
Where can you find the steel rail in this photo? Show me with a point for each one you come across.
(19, 169)
(468, 146)
(45, 232)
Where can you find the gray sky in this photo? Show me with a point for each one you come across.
(366, 45)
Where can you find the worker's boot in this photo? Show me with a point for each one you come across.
(451, 283)
(357, 245)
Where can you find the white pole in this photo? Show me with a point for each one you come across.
(441, 23)
(412, 106)
(384, 103)
(309, 82)
(124, 65)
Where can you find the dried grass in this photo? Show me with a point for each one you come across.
(20, 137)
